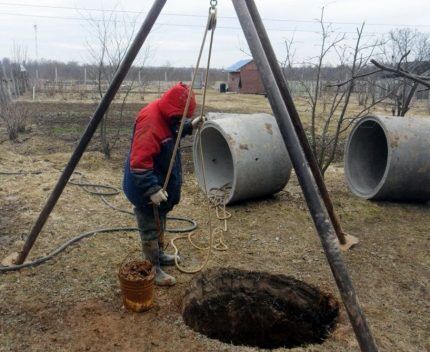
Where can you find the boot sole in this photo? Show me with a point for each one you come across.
(166, 284)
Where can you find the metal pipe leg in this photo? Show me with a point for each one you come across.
(310, 190)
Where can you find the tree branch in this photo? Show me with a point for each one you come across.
(420, 79)
(354, 78)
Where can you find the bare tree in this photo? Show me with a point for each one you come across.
(421, 79)
(15, 116)
(13, 83)
(329, 101)
(18, 73)
(19, 53)
(290, 53)
(110, 37)
(5, 94)
(13, 75)
(406, 51)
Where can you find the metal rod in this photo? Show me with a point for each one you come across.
(307, 182)
(92, 126)
(295, 118)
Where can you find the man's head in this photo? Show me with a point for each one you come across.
(172, 103)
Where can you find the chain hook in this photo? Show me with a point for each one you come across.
(213, 3)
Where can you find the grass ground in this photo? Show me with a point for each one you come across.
(73, 303)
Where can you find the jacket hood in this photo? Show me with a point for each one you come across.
(173, 101)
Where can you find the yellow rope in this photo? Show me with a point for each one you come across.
(215, 198)
(219, 205)
(218, 244)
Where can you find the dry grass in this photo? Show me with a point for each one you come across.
(73, 303)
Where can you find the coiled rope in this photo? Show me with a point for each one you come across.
(216, 198)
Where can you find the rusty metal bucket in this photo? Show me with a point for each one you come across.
(137, 294)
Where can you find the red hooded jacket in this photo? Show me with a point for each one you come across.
(153, 126)
(152, 147)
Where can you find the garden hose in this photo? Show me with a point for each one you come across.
(94, 189)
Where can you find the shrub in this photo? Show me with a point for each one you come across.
(16, 118)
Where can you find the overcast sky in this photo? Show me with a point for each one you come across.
(63, 34)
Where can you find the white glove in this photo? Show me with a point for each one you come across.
(158, 197)
(197, 121)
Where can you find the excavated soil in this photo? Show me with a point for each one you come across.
(135, 270)
(258, 309)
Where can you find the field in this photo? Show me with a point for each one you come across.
(73, 303)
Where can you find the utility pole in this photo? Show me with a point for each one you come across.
(37, 52)
(37, 62)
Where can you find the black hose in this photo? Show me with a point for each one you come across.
(111, 191)
(61, 248)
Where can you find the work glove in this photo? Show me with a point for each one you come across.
(197, 121)
(158, 197)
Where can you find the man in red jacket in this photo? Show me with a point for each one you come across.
(154, 136)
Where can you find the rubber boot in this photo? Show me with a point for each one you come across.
(165, 259)
(151, 252)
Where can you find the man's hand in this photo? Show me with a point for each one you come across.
(197, 121)
(158, 197)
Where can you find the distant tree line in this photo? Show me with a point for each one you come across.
(51, 70)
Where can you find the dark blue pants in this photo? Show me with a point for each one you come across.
(148, 225)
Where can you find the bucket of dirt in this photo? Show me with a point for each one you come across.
(136, 278)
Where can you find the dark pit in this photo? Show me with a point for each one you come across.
(258, 309)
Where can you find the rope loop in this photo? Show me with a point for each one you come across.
(213, 3)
